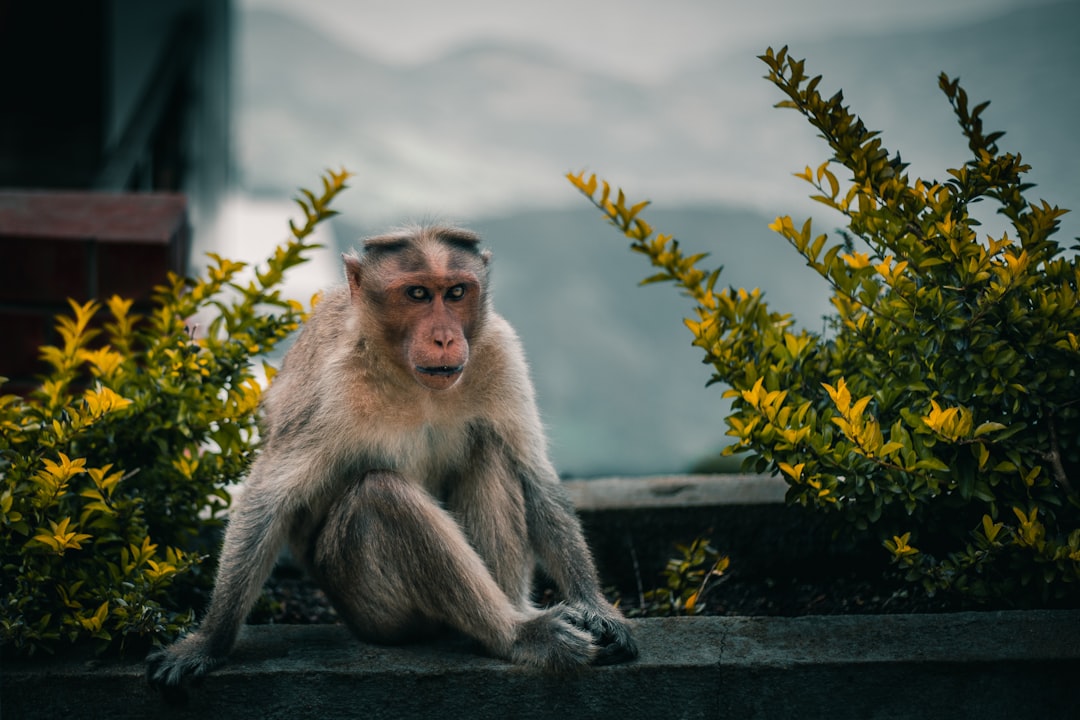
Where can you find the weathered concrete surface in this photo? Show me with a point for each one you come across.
(632, 524)
(964, 665)
(682, 491)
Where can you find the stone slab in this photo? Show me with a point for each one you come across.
(963, 665)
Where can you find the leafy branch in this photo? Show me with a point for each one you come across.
(939, 412)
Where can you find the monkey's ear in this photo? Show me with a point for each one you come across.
(485, 255)
(353, 272)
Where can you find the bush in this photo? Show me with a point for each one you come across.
(687, 579)
(114, 468)
(941, 408)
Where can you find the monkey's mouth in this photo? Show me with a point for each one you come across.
(440, 370)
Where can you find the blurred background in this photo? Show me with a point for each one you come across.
(472, 112)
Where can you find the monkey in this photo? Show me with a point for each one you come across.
(404, 461)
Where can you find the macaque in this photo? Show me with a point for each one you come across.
(404, 461)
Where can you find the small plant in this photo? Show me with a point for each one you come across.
(686, 580)
(941, 409)
(112, 470)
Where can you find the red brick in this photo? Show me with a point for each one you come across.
(82, 245)
(43, 270)
(24, 332)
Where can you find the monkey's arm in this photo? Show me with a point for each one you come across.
(255, 533)
(556, 537)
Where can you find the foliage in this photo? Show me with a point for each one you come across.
(686, 579)
(112, 469)
(941, 409)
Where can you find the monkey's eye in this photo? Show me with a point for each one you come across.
(456, 293)
(417, 292)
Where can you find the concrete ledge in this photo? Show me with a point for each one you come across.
(679, 491)
(632, 524)
(964, 665)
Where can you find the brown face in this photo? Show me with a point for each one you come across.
(430, 318)
(425, 294)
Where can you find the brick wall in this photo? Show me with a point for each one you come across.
(82, 245)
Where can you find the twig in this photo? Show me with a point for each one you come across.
(1054, 458)
(637, 571)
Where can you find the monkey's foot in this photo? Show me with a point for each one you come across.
(611, 634)
(553, 641)
(168, 668)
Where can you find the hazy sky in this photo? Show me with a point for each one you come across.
(644, 38)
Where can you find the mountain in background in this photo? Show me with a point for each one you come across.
(484, 135)
(492, 127)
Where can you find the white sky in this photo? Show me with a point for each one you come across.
(645, 38)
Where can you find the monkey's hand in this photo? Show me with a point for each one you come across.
(189, 658)
(610, 632)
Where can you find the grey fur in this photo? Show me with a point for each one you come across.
(413, 508)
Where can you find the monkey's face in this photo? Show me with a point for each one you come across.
(424, 293)
(429, 320)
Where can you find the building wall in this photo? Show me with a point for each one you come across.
(115, 114)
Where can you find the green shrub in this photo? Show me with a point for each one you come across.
(114, 468)
(686, 580)
(941, 408)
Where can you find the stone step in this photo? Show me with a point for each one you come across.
(962, 665)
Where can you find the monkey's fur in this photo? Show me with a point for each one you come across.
(405, 463)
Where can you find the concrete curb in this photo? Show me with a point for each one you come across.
(675, 491)
(963, 665)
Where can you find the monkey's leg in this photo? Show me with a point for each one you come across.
(556, 535)
(488, 504)
(394, 562)
(255, 533)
